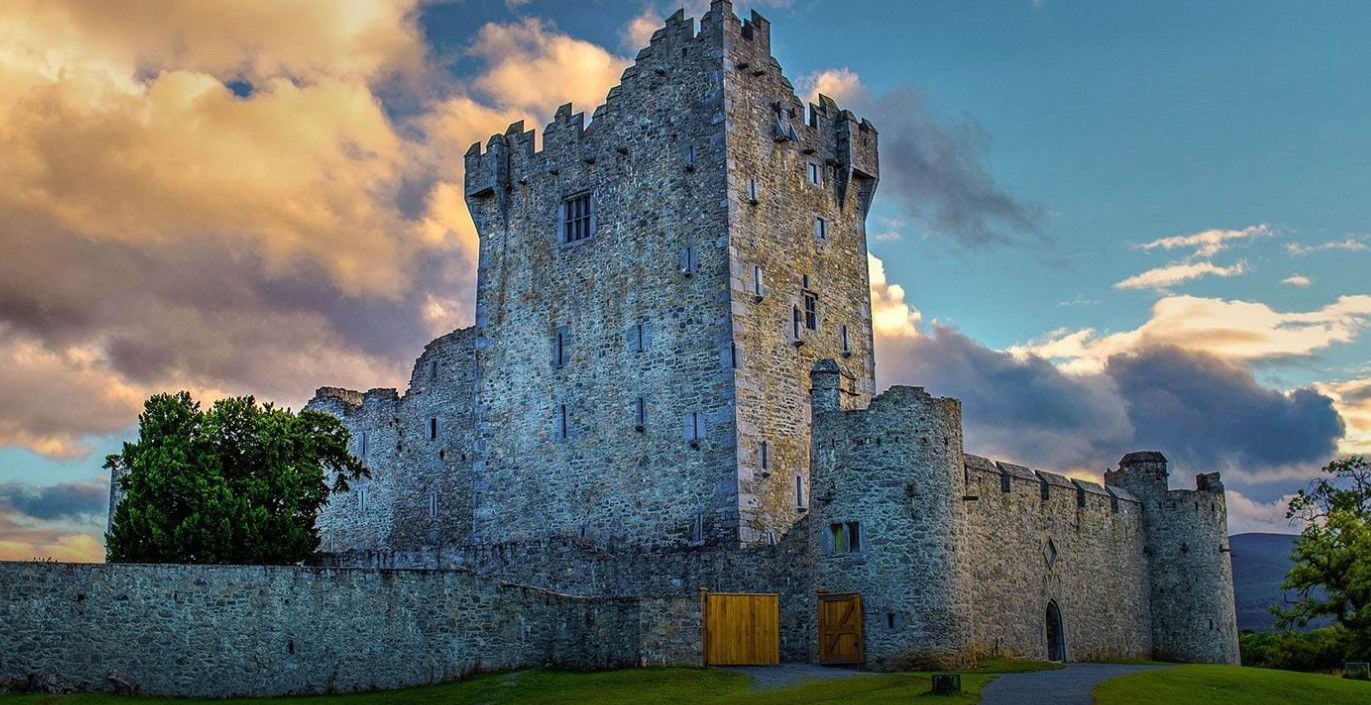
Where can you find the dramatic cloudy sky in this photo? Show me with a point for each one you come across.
(1103, 227)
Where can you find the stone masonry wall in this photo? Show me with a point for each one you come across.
(220, 631)
(582, 567)
(773, 211)
(418, 448)
(1081, 546)
(641, 307)
(895, 470)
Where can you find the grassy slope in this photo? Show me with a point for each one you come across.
(657, 686)
(1230, 685)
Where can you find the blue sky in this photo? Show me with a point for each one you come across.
(1030, 151)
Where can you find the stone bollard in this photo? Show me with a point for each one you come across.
(947, 684)
(1357, 670)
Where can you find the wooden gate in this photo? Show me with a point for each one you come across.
(840, 628)
(741, 629)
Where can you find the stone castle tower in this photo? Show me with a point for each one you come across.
(653, 289)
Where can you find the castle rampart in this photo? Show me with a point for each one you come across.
(220, 631)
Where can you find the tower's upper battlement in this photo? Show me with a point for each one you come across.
(677, 54)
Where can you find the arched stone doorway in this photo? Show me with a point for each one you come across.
(1056, 636)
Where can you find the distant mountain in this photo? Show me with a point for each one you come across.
(1260, 562)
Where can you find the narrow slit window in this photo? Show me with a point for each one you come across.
(847, 342)
(821, 228)
(362, 499)
(640, 414)
(796, 322)
(752, 190)
(639, 338)
(432, 505)
(576, 218)
(733, 355)
(764, 453)
(432, 428)
(688, 263)
(563, 423)
(812, 311)
(433, 369)
(362, 445)
(697, 529)
(693, 428)
(800, 492)
(758, 285)
(688, 156)
(561, 352)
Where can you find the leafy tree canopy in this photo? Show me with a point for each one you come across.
(240, 483)
(1332, 558)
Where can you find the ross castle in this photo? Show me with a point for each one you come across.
(670, 381)
(665, 414)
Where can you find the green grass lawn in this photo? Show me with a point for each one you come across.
(1230, 685)
(655, 686)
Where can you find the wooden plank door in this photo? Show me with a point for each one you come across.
(840, 628)
(742, 629)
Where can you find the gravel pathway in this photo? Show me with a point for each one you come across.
(788, 674)
(1068, 686)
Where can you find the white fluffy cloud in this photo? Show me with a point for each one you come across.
(1350, 244)
(1297, 280)
(1199, 263)
(1248, 515)
(1237, 331)
(1352, 398)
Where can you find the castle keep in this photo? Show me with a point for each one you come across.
(670, 388)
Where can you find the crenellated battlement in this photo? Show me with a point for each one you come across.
(678, 55)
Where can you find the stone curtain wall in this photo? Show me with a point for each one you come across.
(1095, 566)
(218, 631)
(418, 448)
(582, 567)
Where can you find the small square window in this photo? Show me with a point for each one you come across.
(847, 537)
(576, 218)
(814, 173)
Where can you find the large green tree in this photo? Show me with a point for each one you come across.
(1332, 569)
(240, 483)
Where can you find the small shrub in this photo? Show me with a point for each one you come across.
(1320, 650)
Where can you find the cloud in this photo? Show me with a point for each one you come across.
(1207, 243)
(165, 231)
(1176, 273)
(891, 316)
(1236, 331)
(933, 167)
(532, 68)
(68, 500)
(638, 32)
(1297, 280)
(1351, 244)
(1205, 412)
(19, 542)
(1248, 515)
(1199, 263)
(1352, 399)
